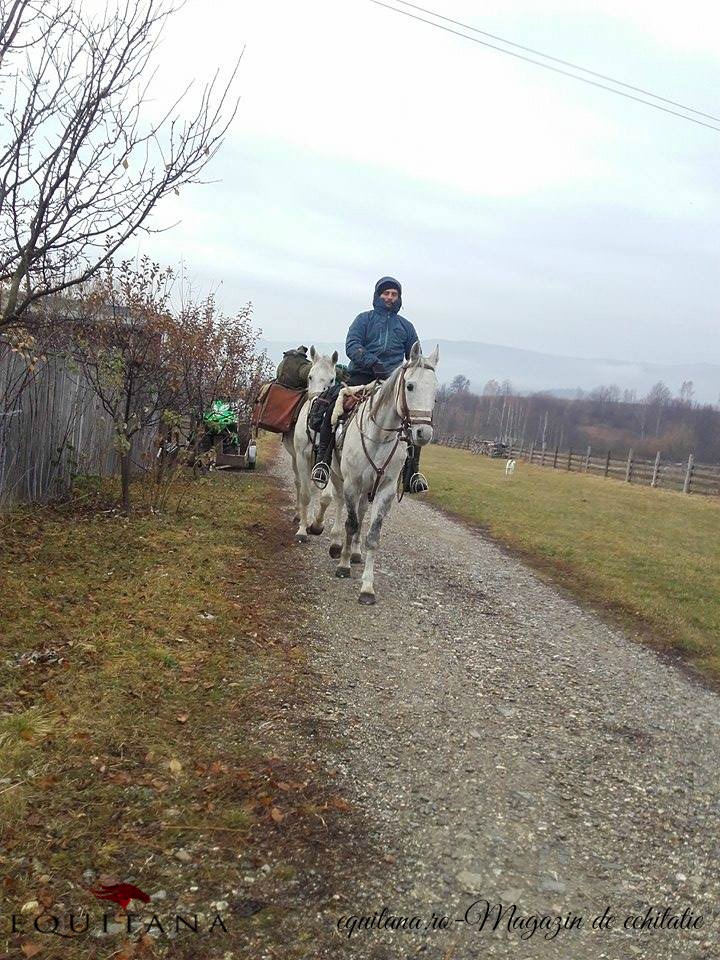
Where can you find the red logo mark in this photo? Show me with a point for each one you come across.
(120, 893)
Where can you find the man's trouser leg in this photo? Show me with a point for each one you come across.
(326, 442)
(413, 480)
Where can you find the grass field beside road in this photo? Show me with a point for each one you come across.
(146, 664)
(652, 556)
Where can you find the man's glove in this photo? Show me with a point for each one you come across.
(379, 371)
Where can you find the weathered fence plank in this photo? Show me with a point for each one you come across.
(53, 430)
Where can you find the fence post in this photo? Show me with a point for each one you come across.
(656, 469)
(569, 466)
(542, 456)
(587, 459)
(607, 463)
(688, 474)
(532, 452)
(628, 468)
(555, 457)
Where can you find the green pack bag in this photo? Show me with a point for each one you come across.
(293, 369)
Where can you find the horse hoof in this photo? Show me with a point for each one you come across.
(315, 530)
(301, 538)
(342, 572)
(367, 598)
(356, 558)
(335, 550)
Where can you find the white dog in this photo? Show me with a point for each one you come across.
(509, 468)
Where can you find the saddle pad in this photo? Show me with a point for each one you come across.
(277, 408)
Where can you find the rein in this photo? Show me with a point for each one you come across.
(409, 417)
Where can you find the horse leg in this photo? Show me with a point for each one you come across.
(318, 524)
(289, 444)
(304, 501)
(355, 555)
(352, 525)
(336, 534)
(380, 509)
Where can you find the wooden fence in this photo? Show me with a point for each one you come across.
(53, 430)
(687, 476)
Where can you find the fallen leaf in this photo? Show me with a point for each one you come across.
(339, 804)
(182, 718)
(174, 766)
(46, 898)
(277, 815)
(120, 777)
(30, 949)
(284, 786)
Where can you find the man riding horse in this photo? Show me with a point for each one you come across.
(378, 341)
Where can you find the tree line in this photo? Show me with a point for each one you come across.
(606, 418)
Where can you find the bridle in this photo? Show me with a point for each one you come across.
(412, 417)
(409, 417)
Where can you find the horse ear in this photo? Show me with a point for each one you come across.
(334, 357)
(415, 352)
(312, 353)
(434, 356)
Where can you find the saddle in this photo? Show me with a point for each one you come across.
(349, 398)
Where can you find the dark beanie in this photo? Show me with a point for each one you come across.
(387, 283)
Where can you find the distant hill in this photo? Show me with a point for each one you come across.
(530, 371)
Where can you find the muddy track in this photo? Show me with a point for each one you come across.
(498, 742)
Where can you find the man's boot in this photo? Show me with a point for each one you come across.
(320, 474)
(413, 480)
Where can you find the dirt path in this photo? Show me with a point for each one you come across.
(536, 757)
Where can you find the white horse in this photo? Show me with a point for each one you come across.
(299, 446)
(366, 470)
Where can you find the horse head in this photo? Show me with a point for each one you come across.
(417, 388)
(322, 372)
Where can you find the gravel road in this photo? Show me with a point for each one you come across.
(503, 744)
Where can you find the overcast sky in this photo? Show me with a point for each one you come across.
(516, 206)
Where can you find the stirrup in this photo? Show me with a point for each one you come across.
(320, 474)
(418, 484)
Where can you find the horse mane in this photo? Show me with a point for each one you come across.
(389, 385)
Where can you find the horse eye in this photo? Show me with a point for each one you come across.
(410, 386)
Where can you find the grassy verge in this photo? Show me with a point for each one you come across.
(141, 658)
(649, 555)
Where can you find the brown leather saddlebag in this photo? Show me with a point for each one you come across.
(277, 408)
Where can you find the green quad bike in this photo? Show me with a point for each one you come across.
(229, 431)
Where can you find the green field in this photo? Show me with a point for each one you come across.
(651, 556)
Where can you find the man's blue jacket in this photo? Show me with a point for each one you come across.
(380, 336)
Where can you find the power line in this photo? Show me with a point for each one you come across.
(547, 66)
(566, 63)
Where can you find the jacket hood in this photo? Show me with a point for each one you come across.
(382, 284)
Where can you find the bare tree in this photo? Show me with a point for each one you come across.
(687, 393)
(658, 398)
(460, 384)
(82, 163)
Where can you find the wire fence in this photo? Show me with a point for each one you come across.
(659, 472)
